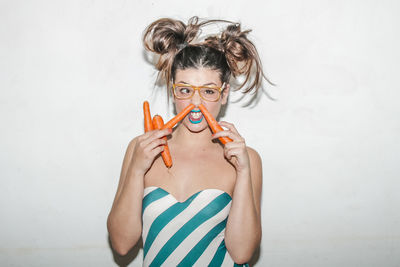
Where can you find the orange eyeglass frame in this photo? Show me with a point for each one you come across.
(220, 89)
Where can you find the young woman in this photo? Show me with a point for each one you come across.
(205, 209)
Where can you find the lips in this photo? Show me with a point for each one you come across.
(195, 116)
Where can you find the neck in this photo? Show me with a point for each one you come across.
(189, 139)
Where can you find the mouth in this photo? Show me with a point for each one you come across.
(195, 116)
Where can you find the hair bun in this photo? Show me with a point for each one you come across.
(167, 37)
(236, 47)
(215, 42)
(163, 35)
(242, 55)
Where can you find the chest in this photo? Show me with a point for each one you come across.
(191, 172)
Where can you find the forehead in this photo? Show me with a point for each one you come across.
(198, 76)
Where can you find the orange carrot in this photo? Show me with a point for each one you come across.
(215, 127)
(158, 123)
(148, 125)
(179, 117)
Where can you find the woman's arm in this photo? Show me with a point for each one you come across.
(124, 223)
(243, 229)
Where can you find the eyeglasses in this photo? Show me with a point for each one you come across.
(186, 91)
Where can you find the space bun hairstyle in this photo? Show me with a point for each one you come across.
(231, 53)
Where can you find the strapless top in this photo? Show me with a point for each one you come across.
(189, 233)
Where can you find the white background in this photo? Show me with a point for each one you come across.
(73, 77)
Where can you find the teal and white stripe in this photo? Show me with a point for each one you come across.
(185, 233)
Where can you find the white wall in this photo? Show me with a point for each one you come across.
(73, 78)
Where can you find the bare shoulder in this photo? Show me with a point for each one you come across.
(256, 177)
(125, 166)
(129, 152)
(132, 143)
(255, 159)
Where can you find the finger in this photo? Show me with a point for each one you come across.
(162, 133)
(148, 146)
(155, 143)
(156, 134)
(228, 133)
(146, 135)
(156, 151)
(232, 153)
(233, 145)
(230, 126)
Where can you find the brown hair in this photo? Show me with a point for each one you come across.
(231, 53)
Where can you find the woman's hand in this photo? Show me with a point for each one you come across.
(147, 147)
(235, 152)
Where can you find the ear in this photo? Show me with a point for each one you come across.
(225, 94)
(173, 98)
(171, 95)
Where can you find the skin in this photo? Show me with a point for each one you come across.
(237, 167)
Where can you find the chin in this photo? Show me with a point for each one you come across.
(196, 127)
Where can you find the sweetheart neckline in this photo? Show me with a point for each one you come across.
(189, 196)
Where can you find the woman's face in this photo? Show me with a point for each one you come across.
(195, 121)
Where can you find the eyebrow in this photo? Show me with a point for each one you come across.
(201, 85)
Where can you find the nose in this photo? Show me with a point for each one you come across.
(196, 99)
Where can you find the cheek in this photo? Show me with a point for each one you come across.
(213, 108)
(181, 104)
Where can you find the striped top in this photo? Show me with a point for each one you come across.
(189, 233)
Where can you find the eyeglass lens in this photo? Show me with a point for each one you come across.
(211, 94)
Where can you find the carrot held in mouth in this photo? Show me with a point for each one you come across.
(179, 117)
(215, 127)
(148, 124)
(158, 123)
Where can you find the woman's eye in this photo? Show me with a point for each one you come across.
(184, 90)
(210, 91)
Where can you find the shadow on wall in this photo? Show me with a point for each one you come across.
(124, 261)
